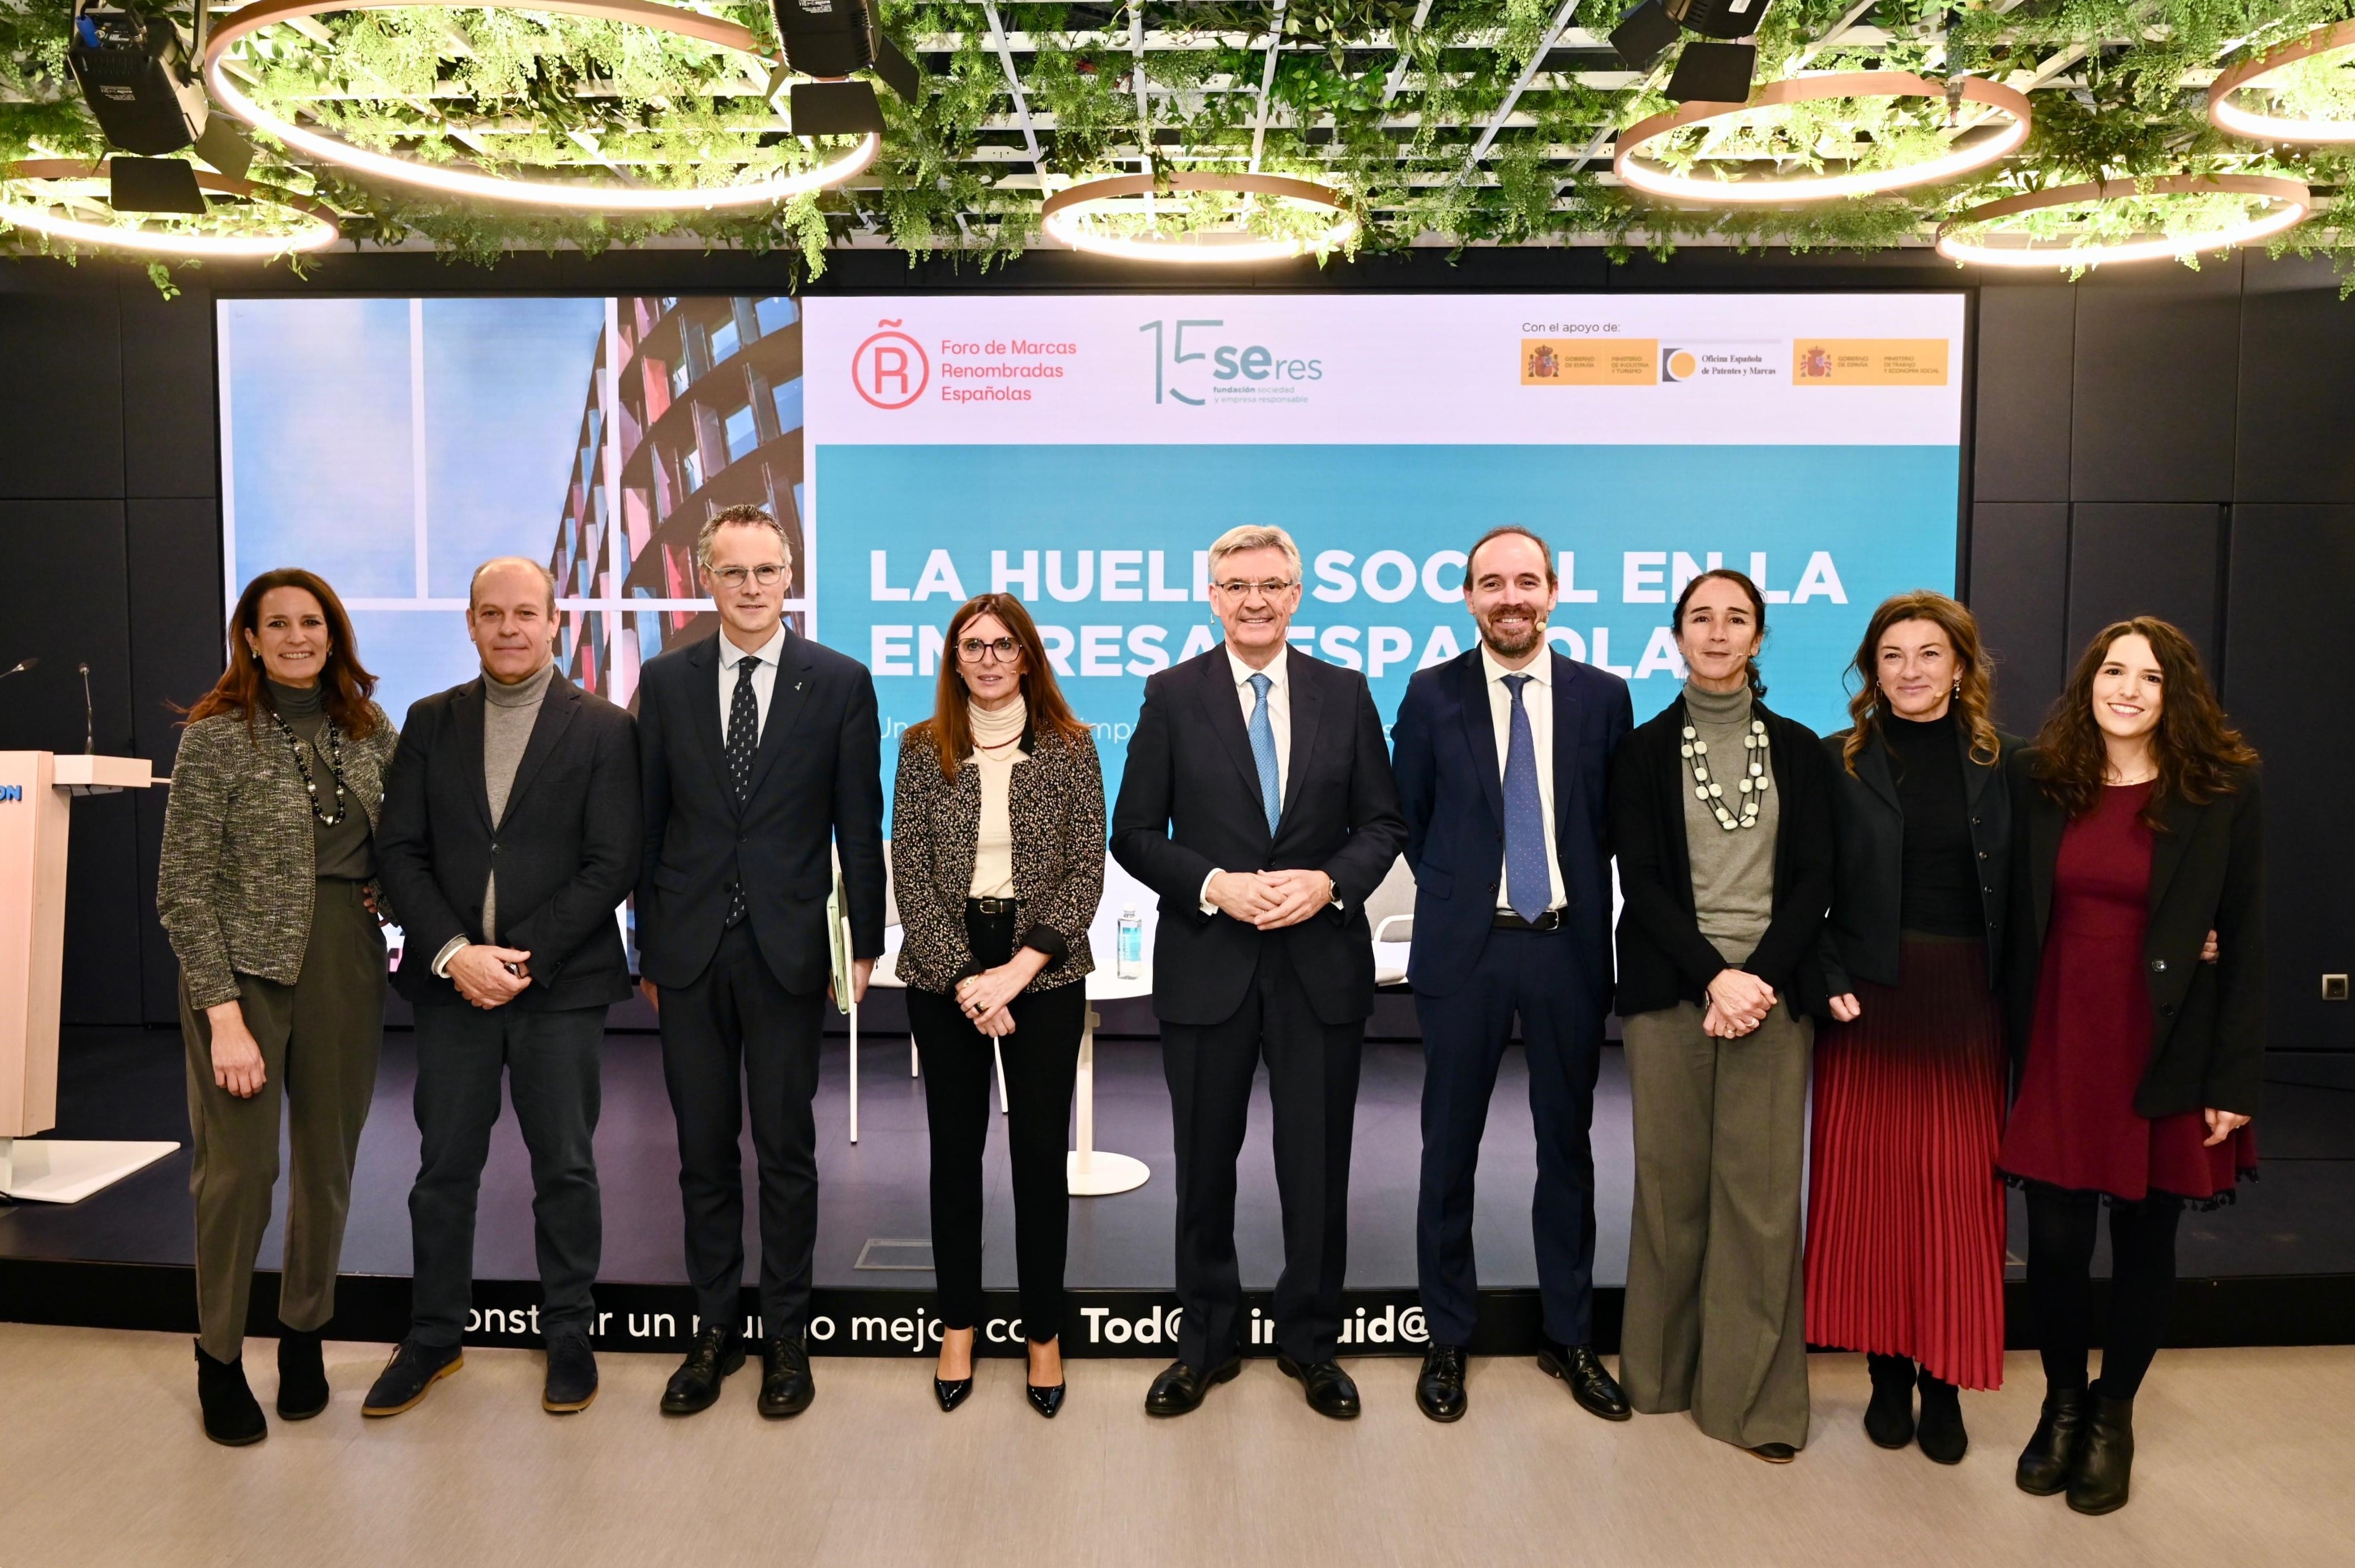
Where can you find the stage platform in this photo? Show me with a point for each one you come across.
(2276, 1267)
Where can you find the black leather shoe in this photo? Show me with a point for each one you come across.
(1889, 1414)
(1331, 1391)
(711, 1356)
(302, 1374)
(233, 1415)
(2105, 1461)
(951, 1392)
(1597, 1391)
(571, 1381)
(786, 1386)
(1046, 1402)
(413, 1369)
(1179, 1389)
(1439, 1392)
(1775, 1453)
(2051, 1456)
(1940, 1431)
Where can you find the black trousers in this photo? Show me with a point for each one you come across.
(552, 1062)
(1312, 1080)
(2059, 1287)
(732, 1037)
(1533, 974)
(1042, 1058)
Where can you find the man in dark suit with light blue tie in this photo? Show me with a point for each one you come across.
(1501, 757)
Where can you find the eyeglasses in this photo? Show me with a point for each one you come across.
(1266, 587)
(973, 649)
(768, 576)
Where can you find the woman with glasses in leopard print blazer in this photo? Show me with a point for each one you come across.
(997, 851)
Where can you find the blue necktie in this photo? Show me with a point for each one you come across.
(1263, 739)
(1527, 887)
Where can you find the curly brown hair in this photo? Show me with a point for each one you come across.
(1974, 677)
(2199, 754)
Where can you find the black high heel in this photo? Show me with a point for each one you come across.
(1045, 1401)
(950, 1393)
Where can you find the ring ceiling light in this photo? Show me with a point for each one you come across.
(1068, 213)
(2290, 202)
(578, 196)
(2226, 115)
(308, 226)
(1651, 176)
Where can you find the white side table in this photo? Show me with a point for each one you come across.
(1093, 1172)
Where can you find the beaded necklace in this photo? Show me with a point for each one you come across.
(335, 750)
(1752, 793)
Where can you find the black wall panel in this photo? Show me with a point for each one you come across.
(67, 570)
(2296, 429)
(2144, 559)
(168, 390)
(2157, 383)
(2020, 592)
(2025, 380)
(2290, 569)
(61, 400)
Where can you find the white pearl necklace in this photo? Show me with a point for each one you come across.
(1752, 791)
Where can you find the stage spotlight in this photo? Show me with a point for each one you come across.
(1718, 18)
(1644, 35)
(832, 38)
(135, 72)
(1713, 73)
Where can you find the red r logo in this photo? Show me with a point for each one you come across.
(890, 370)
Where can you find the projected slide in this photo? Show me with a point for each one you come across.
(1081, 452)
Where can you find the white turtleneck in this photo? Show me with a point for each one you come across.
(996, 747)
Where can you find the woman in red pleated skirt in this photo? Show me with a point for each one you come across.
(1905, 1219)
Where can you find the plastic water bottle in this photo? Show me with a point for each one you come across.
(1128, 959)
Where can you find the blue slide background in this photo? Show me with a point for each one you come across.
(1884, 514)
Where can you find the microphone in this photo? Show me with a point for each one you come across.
(18, 668)
(89, 717)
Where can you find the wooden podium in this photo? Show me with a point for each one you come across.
(37, 790)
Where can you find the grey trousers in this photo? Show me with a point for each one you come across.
(319, 1040)
(1715, 1322)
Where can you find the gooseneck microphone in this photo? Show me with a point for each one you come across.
(89, 717)
(18, 668)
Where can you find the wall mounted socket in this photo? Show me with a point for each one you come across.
(2334, 988)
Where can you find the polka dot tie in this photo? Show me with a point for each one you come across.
(743, 740)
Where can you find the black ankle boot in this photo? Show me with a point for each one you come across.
(2105, 1462)
(1940, 1430)
(2051, 1456)
(1888, 1418)
(233, 1415)
(302, 1374)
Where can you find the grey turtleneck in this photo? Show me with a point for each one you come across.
(510, 712)
(347, 852)
(1732, 872)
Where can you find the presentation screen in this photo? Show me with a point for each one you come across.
(1083, 451)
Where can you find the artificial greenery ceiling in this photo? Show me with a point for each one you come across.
(1446, 121)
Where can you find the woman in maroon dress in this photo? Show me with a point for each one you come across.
(2137, 833)
(1905, 1215)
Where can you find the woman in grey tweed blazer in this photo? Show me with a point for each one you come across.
(268, 892)
(998, 845)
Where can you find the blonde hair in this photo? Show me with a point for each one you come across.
(1255, 536)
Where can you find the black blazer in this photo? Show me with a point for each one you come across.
(1860, 934)
(2207, 873)
(1663, 957)
(566, 847)
(1451, 786)
(818, 789)
(1190, 805)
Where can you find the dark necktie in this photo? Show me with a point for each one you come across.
(743, 740)
(1529, 886)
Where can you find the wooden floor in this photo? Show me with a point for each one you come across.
(2245, 1460)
